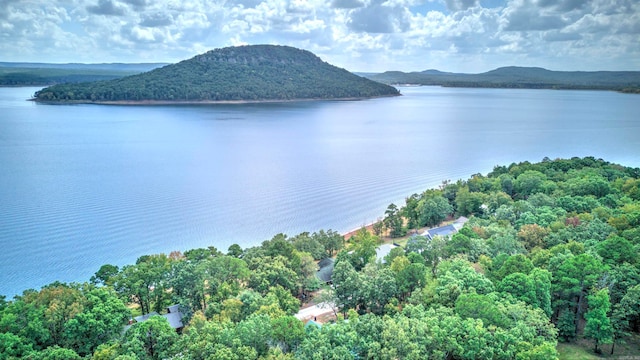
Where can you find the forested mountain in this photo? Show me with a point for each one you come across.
(519, 77)
(248, 73)
(30, 74)
(550, 253)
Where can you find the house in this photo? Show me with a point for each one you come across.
(173, 316)
(459, 223)
(443, 231)
(312, 325)
(326, 265)
(326, 270)
(145, 317)
(446, 230)
(383, 250)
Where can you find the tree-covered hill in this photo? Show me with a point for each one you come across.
(245, 73)
(519, 77)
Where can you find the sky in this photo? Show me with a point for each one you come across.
(358, 35)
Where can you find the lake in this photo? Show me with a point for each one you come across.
(86, 185)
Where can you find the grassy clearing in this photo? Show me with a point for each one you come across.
(575, 352)
(583, 350)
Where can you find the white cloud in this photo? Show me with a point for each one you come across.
(360, 35)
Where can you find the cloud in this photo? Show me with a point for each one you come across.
(346, 4)
(137, 4)
(553, 36)
(106, 7)
(156, 20)
(379, 17)
(524, 15)
(245, 3)
(363, 35)
(563, 5)
(457, 5)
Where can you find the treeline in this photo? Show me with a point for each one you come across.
(549, 254)
(519, 78)
(251, 73)
(48, 76)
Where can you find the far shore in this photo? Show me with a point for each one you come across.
(203, 102)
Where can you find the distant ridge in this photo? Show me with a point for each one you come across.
(244, 73)
(32, 74)
(435, 72)
(519, 77)
(129, 67)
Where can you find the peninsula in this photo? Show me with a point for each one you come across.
(253, 73)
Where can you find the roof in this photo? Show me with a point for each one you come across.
(383, 250)
(459, 223)
(145, 317)
(440, 231)
(326, 269)
(461, 220)
(312, 323)
(174, 319)
(412, 239)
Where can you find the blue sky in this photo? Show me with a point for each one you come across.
(359, 35)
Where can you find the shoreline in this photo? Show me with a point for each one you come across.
(352, 232)
(203, 102)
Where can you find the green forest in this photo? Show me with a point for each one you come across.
(244, 73)
(517, 77)
(40, 76)
(549, 255)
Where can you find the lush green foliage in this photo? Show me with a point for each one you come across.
(251, 73)
(549, 255)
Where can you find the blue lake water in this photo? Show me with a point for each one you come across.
(86, 185)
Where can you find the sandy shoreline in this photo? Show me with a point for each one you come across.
(350, 233)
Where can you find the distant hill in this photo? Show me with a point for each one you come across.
(519, 77)
(245, 73)
(125, 67)
(31, 74)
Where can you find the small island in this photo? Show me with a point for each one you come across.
(255, 73)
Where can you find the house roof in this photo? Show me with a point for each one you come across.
(459, 223)
(412, 239)
(461, 220)
(175, 319)
(312, 323)
(383, 250)
(440, 231)
(326, 269)
(145, 317)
